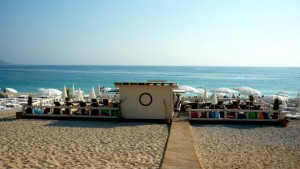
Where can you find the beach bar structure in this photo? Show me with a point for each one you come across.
(151, 100)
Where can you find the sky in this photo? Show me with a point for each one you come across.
(151, 32)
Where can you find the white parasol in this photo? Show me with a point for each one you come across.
(214, 99)
(283, 105)
(244, 90)
(205, 94)
(40, 89)
(50, 92)
(270, 98)
(99, 91)
(221, 94)
(224, 90)
(92, 93)
(79, 96)
(10, 90)
(64, 94)
(191, 89)
(73, 94)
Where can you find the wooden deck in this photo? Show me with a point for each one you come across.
(180, 151)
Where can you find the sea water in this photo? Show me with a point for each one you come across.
(268, 80)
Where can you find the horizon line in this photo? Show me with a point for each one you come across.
(13, 64)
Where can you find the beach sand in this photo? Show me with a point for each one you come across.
(29, 143)
(247, 146)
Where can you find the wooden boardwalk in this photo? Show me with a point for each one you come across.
(180, 151)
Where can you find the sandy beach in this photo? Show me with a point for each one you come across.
(248, 146)
(29, 143)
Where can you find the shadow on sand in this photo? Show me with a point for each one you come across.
(98, 123)
(9, 118)
(237, 125)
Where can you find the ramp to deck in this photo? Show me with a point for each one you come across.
(180, 151)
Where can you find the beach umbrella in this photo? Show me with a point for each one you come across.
(40, 89)
(79, 96)
(221, 94)
(244, 90)
(73, 94)
(283, 105)
(92, 93)
(64, 94)
(191, 89)
(205, 94)
(50, 92)
(99, 91)
(10, 90)
(271, 98)
(224, 90)
(214, 99)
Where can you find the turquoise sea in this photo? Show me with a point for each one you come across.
(268, 80)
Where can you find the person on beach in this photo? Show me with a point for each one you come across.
(178, 104)
(238, 97)
(236, 105)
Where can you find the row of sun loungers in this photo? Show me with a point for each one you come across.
(94, 108)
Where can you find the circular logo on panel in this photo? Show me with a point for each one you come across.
(145, 99)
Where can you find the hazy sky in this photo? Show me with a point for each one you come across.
(151, 32)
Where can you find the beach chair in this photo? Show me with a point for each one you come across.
(256, 107)
(95, 112)
(94, 100)
(73, 109)
(83, 109)
(229, 106)
(243, 106)
(105, 102)
(57, 110)
(46, 110)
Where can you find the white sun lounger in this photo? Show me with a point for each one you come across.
(293, 116)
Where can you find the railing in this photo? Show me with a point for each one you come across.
(234, 114)
(88, 111)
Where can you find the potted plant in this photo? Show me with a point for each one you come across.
(29, 103)
(68, 95)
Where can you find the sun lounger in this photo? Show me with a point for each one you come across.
(293, 116)
(105, 102)
(57, 110)
(95, 112)
(94, 100)
(72, 109)
(83, 109)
